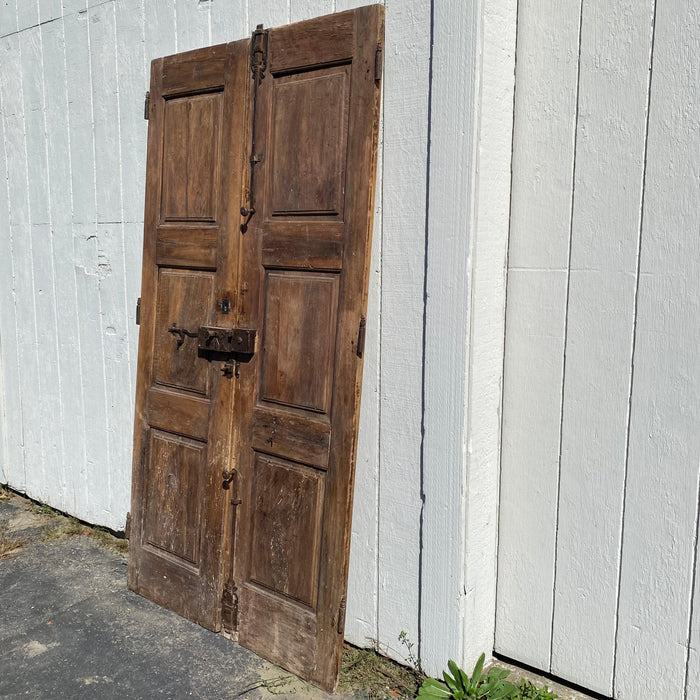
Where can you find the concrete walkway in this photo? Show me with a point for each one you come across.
(70, 628)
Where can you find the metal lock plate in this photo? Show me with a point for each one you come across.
(227, 340)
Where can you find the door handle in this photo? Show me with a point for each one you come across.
(228, 475)
(181, 333)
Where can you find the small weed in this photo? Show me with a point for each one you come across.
(9, 546)
(529, 691)
(412, 659)
(42, 509)
(4, 494)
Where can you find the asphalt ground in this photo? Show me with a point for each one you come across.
(70, 628)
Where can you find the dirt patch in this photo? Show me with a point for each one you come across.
(9, 545)
(50, 525)
(372, 675)
(70, 527)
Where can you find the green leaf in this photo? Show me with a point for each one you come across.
(455, 670)
(432, 688)
(476, 675)
(504, 690)
(451, 682)
(498, 673)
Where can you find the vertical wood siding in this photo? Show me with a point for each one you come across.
(600, 446)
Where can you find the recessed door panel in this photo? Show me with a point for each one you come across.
(175, 490)
(182, 295)
(287, 506)
(299, 339)
(191, 154)
(308, 153)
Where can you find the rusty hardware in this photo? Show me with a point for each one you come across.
(228, 340)
(378, 63)
(341, 614)
(228, 475)
(248, 213)
(229, 607)
(258, 49)
(227, 369)
(181, 333)
(361, 332)
(225, 306)
(147, 106)
(258, 65)
(138, 312)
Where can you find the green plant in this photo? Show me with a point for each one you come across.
(490, 686)
(529, 691)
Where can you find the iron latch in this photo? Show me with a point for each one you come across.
(226, 340)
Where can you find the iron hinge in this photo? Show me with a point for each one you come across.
(341, 615)
(138, 311)
(378, 62)
(127, 527)
(147, 106)
(361, 332)
(229, 607)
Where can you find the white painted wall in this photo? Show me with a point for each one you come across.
(72, 164)
(600, 448)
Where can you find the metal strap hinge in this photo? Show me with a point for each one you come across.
(138, 312)
(147, 106)
(341, 615)
(361, 332)
(378, 62)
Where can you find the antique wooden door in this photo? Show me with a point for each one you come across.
(196, 143)
(305, 272)
(288, 246)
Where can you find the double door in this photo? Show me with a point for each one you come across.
(259, 203)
